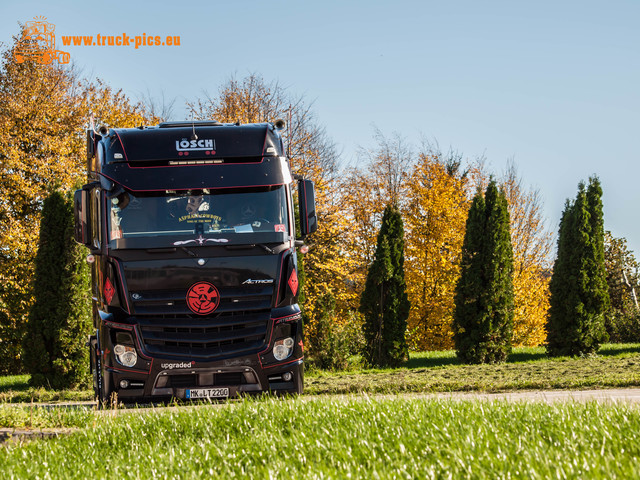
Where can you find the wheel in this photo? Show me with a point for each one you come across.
(101, 388)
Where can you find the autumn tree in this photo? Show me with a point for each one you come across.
(380, 180)
(384, 302)
(579, 292)
(44, 111)
(622, 273)
(435, 214)
(313, 155)
(483, 320)
(622, 321)
(531, 250)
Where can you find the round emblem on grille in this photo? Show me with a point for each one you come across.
(203, 298)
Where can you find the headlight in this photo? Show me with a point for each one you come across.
(125, 355)
(283, 348)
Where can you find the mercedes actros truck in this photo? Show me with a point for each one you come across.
(192, 238)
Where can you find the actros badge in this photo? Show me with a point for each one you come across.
(203, 298)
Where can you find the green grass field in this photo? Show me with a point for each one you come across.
(342, 438)
(616, 365)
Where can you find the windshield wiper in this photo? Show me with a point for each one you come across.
(185, 249)
(250, 245)
(170, 250)
(265, 248)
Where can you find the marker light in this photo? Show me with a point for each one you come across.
(126, 356)
(283, 348)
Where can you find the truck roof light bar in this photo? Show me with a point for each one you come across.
(195, 162)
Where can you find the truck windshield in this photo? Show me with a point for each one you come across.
(199, 212)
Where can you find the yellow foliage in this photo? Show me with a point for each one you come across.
(44, 110)
(435, 216)
(327, 263)
(531, 299)
(531, 248)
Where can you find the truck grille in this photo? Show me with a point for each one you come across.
(211, 337)
(238, 326)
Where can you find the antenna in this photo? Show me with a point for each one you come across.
(193, 125)
(289, 134)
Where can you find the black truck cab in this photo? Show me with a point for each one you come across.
(192, 239)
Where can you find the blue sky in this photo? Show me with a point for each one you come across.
(553, 85)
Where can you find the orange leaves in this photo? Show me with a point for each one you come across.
(44, 110)
(435, 216)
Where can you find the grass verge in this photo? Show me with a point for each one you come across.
(345, 438)
(35, 416)
(616, 365)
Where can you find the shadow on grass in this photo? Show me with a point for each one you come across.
(441, 359)
(517, 357)
(16, 383)
(611, 350)
(428, 362)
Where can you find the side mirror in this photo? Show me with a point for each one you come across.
(307, 204)
(80, 215)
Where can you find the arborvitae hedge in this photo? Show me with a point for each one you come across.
(579, 291)
(483, 320)
(384, 302)
(59, 322)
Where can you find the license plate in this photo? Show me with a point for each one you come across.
(207, 392)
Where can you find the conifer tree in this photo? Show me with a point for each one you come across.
(384, 302)
(54, 349)
(483, 320)
(579, 292)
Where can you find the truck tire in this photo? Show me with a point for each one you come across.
(101, 391)
(105, 393)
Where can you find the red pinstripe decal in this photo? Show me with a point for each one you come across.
(195, 165)
(199, 187)
(284, 363)
(122, 145)
(130, 370)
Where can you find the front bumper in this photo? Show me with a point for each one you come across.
(162, 378)
(164, 384)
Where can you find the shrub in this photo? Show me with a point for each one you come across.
(384, 302)
(483, 320)
(579, 291)
(59, 322)
(335, 343)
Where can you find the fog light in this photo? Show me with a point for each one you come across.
(287, 376)
(125, 355)
(283, 348)
(124, 383)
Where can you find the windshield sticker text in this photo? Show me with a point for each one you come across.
(200, 217)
